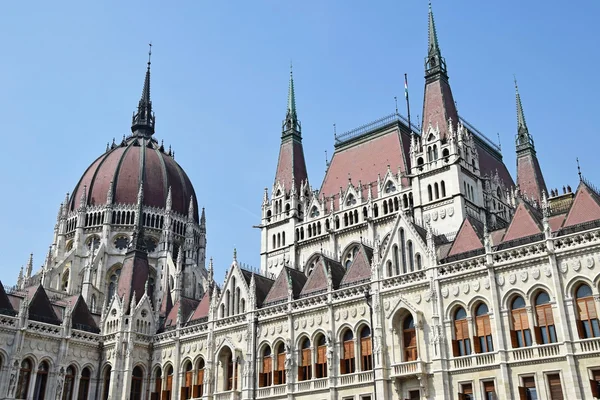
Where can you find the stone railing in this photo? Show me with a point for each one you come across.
(407, 368)
(355, 378)
(229, 395)
(475, 360)
(535, 352)
(313, 384)
(266, 392)
(588, 345)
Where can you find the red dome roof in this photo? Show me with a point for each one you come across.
(137, 159)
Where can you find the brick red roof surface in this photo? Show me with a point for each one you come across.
(134, 274)
(490, 163)
(279, 290)
(524, 223)
(123, 166)
(438, 106)
(360, 269)
(291, 164)
(202, 309)
(585, 207)
(529, 176)
(364, 160)
(468, 237)
(187, 308)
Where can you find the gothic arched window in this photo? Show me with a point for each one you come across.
(113, 281)
(520, 334)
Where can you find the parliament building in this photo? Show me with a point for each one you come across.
(417, 269)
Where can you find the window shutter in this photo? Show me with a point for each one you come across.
(479, 327)
(306, 357)
(343, 367)
(524, 320)
(580, 329)
(556, 392)
(541, 315)
(281, 362)
(487, 329)
(321, 354)
(267, 364)
(184, 393)
(513, 339)
(365, 346)
(549, 315)
(455, 349)
(516, 317)
(196, 391)
(522, 393)
(476, 345)
(189, 377)
(594, 387)
(591, 308)
(348, 349)
(582, 308)
(537, 331)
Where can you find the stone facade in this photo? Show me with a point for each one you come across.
(417, 271)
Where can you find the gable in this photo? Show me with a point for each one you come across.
(5, 304)
(40, 308)
(202, 309)
(280, 288)
(523, 224)
(585, 207)
(360, 268)
(467, 239)
(81, 317)
(187, 307)
(317, 280)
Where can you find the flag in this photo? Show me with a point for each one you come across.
(405, 87)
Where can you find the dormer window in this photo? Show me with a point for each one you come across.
(314, 213)
(350, 200)
(390, 187)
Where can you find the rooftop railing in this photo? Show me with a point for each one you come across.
(373, 126)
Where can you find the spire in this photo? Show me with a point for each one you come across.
(191, 209)
(523, 136)
(169, 203)
(530, 179)
(435, 63)
(29, 269)
(291, 123)
(142, 123)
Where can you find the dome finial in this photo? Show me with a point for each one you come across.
(142, 123)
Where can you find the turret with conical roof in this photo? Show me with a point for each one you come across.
(438, 105)
(529, 173)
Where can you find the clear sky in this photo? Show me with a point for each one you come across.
(72, 73)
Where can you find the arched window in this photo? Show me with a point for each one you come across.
(337, 222)
(429, 193)
(265, 377)
(274, 241)
(156, 394)
(345, 219)
(355, 215)
(106, 383)
(436, 190)
(396, 205)
(24, 378)
(137, 377)
(445, 153)
(69, 383)
(199, 386)
(302, 233)
(461, 345)
(84, 384)
(305, 364)
(410, 200)
(279, 376)
(279, 237)
(366, 351)
(520, 335)
(411, 256)
(429, 154)
(375, 211)
(351, 218)
(396, 259)
(390, 270)
(420, 161)
(587, 323)
(545, 332)
(443, 185)
(435, 152)
(227, 303)
(347, 363)
(365, 213)
(310, 231)
(188, 381)
(483, 331)
(321, 362)
(418, 259)
(403, 250)
(385, 208)
(169, 382)
(113, 281)
(409, 336)
(41, 381)
(390, 187)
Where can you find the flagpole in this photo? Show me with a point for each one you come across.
(407, 101)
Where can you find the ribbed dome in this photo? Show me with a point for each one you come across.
(136, 159)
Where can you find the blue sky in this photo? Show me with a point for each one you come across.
(72, 72)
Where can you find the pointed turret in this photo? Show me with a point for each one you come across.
(142, 123)
(29, 269)
(530, 180)
(291, 167)
(438, 105)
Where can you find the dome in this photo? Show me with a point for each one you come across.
(137, 159)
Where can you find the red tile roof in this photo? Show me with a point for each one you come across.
(123, 167)
(291, 164)
(468, 237)
(279, 290)
(490, 163)
(438, 106)
(317, 281)
(524, 223)
(187, 308)
(202, 309)
(529, 176)
(365, 160)
(360, 269)
(556, 222)
(585, 207)
(134, 275)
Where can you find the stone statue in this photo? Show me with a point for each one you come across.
(11, 384)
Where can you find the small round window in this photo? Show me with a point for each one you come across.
(121, 242)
